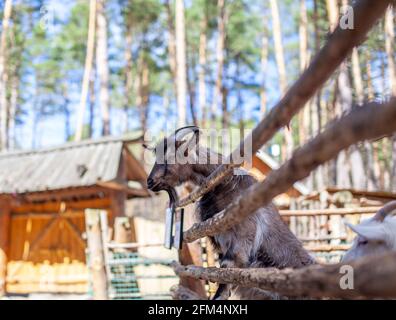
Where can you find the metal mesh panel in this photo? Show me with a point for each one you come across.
(124, 281)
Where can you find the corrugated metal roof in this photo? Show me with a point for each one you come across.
(70, 165)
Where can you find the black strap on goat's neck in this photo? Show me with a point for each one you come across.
(173, 198)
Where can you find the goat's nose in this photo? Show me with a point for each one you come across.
(150, 182)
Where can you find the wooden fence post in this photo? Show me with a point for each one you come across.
(191, 253)
(96, 255)
(124, 230)
(4, 244)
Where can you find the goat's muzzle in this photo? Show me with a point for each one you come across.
(155, 186)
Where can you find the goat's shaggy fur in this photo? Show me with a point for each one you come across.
(261, 240)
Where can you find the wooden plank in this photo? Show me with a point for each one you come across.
(98, 203)
(75, 231)
(70, 194)
(96, 255)
(4, 243)
(328, 212)
(34, 244)
(44, 216)
(134, 169)
(116, 186)
(123, 232)
(366, 193)
(191, 253)
(321, 238)
(105, 234)
(117, 206)
(327, 247)
(133, 245)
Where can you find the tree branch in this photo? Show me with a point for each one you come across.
(370, 278)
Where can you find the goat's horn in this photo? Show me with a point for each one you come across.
(385, 210)
(183, 131)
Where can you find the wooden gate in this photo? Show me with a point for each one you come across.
(47, 254)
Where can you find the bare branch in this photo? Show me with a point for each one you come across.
(370, 278)
(182, 293)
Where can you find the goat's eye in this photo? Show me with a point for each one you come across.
(363, 242)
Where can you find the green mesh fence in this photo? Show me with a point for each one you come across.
(124, 282)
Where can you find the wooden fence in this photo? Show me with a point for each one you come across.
(370, 121)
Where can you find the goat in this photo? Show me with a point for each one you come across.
(261, 240)
(375, 235)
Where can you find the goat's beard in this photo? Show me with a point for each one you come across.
(173, 197)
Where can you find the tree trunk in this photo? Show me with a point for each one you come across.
(13, 110)
(279, 56)
(66, 111)
(356, 166)
(128, 81)
(372, 155)
(103, 66)
(191, 80)
(280, 61)
(219, 58)
(144, 94)
(142, 85)
(314, 118)
(202, 67)
(181, 62)
(345, 94)
(87, 70)
(389, 46)
(171, 44)
(303, 115)
(4, 139)
(240, 103)
(92, 100)
(370, 88)
(357, 76)
(264, 63)
(359, 91)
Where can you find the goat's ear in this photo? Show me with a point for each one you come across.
(374, 232)
(189, 140)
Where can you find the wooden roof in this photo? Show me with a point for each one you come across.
(72, 165)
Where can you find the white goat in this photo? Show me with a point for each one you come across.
(375, 235)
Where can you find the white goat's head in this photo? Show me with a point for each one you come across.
(375, 235)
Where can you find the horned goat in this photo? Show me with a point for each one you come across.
(375, 236)
(261, 240)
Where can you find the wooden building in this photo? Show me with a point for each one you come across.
(262, 165)
(43, 196)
